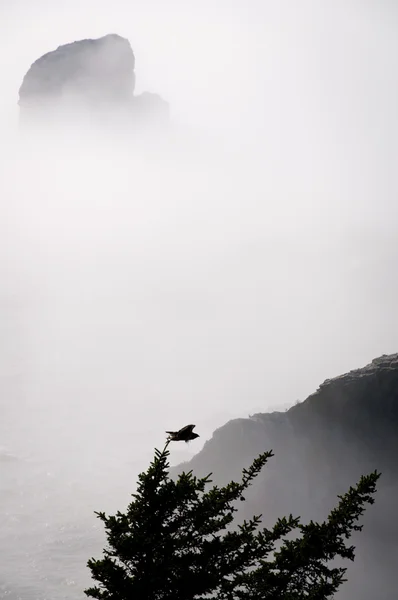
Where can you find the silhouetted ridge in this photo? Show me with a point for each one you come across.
(347, 428)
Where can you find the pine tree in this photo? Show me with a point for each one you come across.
(176, 542)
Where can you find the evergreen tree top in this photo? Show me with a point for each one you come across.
(176, 541)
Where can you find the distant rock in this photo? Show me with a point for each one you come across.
(347, 428)
(92, 71)
(150, 108)
(88, 78)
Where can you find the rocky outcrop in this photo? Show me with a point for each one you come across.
(347, 428)
(90, 71)
(87, 78)
(149, 108)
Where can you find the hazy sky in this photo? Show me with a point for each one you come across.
(224, 269)
(234, 273)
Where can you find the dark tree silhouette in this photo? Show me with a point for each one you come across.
(176, 541)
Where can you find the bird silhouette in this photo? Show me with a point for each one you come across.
(183, 435)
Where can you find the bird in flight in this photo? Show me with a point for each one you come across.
(183, 435)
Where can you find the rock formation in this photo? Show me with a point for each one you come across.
(87, 78)
(347, 428)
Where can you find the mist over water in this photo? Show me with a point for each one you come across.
(225, 266)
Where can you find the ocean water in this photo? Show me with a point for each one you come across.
(48, 530)
(47, 522)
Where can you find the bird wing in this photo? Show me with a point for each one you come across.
(186, 429)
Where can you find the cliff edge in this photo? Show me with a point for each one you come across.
(322, 445)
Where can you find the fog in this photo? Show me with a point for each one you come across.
(225, 266)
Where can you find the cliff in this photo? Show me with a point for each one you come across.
(87, 78)
(348, 427)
